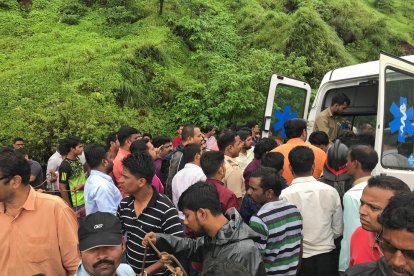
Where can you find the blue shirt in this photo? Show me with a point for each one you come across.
(122, 270)
(101, 194)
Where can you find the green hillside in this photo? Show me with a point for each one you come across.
(85, 67)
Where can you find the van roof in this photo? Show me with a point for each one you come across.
(356, 71)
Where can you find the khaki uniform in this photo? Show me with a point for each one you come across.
(233, 179)
(329, 124)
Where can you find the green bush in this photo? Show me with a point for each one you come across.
(118, 15)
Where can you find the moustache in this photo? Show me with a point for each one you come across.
(103, 261)
(401, 270)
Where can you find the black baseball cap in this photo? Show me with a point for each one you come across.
(99, 229)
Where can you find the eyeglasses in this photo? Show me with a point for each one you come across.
(388, 247)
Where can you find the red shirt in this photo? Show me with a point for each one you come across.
(226, 197)
(363, 247)
(176, 141)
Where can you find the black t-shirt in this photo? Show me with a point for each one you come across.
(36, 170)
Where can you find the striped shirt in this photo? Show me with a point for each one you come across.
(279, 225)
(160, 216)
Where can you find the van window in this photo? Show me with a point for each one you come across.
(398, 135)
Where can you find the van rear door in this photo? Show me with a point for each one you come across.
(394, 139)
(287, 98)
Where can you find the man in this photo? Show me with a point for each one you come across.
(71, 173)
(296, 134)
(375, 198)
(53, 166)
(246, 152)
(36, 173)
(390, 156)
(211, 141)
(396, 240)
(190, 134)
(327, 121)
(38, 231)
(190, 174)
(126, 136)
(178, 139)
(100, 191)
(278, 223)
(361, 161)
(321, 210)
(164, 146)
(212, 163)
(18, 143)
(112, 145)
(222, 238)
(319, 139)
(255, 130)
(143, 211)
(229, 143)
(101, 246)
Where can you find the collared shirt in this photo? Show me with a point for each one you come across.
(101, 194)
(321, 210)
(352, 202)
(121, 270)
(253, 165)
(160, 216)
(320, 157)
(363, 248)
(117, 169)
(328, 123)
(42, 238)
(377, 268)
(227, 198)
(245, 159)
(187, 176)
(233, 179)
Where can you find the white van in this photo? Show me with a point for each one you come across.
(382, 96)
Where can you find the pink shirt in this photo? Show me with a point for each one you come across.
(363, 247)
(156, 182)
(117, 169)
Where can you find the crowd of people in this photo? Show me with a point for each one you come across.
(226, 203)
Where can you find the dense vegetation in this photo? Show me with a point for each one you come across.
(85, 67)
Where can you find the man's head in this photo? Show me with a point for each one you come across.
(319, 139)
(296, 128)
(274, 160)
(254, 127)
(163, 144)
(229, 143)
(212, 163)
(100, 243)
(144, 145)
(340, 103)
(18, 143)
(98, 159)
(191, 134)
(137, 172)
(389, 140)
(263, 146)
(71, 145)
(179, 129)
(375, 197)
(361, 160)
(112, 142)
(14, 175)
(209, 131)
(301, 159)
(127, 135)
(397, 237)
(192, 154)
(265, 185)
(147, 136)
(200, 205)
(245, 138)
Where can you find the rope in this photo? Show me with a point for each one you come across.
(167, 260)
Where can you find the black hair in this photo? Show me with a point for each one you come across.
(269, 179)
(140, 165)
(243, 134)
(94, 154)
(178, 126)
(13, 163)
(190, 151)
(274, 160)
(139, 145)
(301, 159)
(364, 154)
(125, 132)
(399, 213)
(22, 151)
(294, 127)
(18, 139)
(387, 182)
(319, 138)
(224, 267)
(211, 162)
(208, 128)
(188, 131)
(225, 139)
(340, 99)
(65, 145)
(390, 139)
(263, 145)
(147, 134)
(365, 139)
(112, 137)
(158, 141)
(252, 124)
(200, 195)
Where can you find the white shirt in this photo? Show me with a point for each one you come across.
(53, 164)
(245, 159)
(187, 176)
(321, 210)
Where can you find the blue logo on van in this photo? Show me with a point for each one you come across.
(282, 117)
(402, 117)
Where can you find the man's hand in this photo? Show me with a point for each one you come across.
(78, 188)
(151, 236)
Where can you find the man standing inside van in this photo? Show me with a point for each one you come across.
(328, 121)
